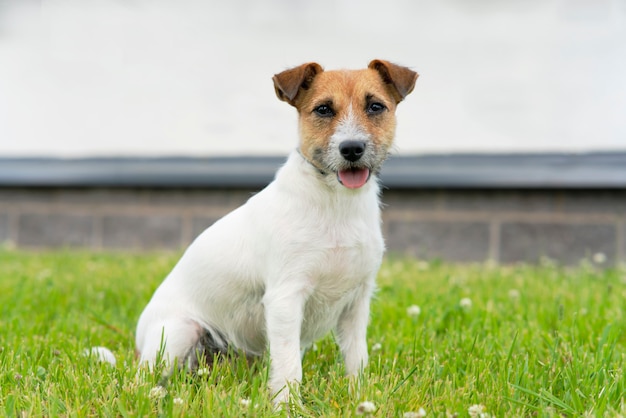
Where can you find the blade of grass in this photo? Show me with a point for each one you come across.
(548, 397)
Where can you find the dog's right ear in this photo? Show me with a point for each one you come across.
(400, 79)
(289, 83)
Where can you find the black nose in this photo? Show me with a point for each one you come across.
(352, 150)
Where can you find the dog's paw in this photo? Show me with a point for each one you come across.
(280, 400)
(101, 354)
(355, 383)
(287, 398)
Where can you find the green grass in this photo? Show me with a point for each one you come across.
(536, 341)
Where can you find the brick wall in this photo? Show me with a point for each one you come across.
(457, 225)
(507, 226)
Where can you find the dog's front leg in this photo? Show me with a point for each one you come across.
(352, 332)
(284, 307)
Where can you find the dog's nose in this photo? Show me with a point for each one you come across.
(352, 150)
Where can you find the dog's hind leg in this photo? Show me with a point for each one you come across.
(210, 344)
(169, 341)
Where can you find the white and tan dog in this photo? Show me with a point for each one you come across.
(299, 258)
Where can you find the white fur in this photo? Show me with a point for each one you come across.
(102, 354)
(348, 128)
(297, 260)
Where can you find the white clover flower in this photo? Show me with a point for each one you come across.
(514, 294)
(244, 403)
(477, 411)
(414, 310)
(465, 303)
(158, 392)
(377, 347)
(178, 401)
(366, 408)
(203, 371)
(420, 413)
(599, 258)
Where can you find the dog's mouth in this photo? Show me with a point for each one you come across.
(353, 178)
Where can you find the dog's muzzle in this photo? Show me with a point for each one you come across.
(352, 150)
(354, 176)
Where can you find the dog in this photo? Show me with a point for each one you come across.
(300, 258)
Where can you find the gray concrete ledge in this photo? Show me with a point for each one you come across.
(458, 171)
(466, 208)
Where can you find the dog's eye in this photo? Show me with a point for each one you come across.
(324, 111)
(375, 108)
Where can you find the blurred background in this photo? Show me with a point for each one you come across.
(135, 124)
(153, 78)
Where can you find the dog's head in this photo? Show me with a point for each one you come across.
(347, 117)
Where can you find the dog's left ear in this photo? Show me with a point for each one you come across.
(289, 83)
(401, 80)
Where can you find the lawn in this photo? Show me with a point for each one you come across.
(444, 339)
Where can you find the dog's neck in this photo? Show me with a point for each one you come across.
(322, 172)
(306, 189)
(315, 180)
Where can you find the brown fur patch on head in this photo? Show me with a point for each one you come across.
(345, 92)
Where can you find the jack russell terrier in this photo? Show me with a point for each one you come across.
(300, 258)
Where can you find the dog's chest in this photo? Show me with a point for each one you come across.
(347, 252)
(345, 269)
(350, 256)
(342, 272)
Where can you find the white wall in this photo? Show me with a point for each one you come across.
(148, 77)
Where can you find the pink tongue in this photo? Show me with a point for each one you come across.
(354, 178)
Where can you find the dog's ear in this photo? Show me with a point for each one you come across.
(401, 80)
(289, 83)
